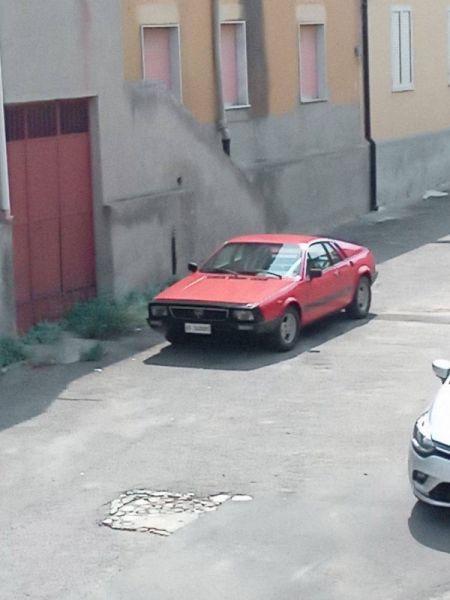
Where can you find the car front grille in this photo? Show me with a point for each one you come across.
(199, 313)
(441, 493)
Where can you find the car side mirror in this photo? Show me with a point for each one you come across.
(192, 266)
(314, 272)
(441, 367)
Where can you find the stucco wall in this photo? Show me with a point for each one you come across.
(409, 167)
(411, 128)
(7, 309)
(426, 108)
(182, 185)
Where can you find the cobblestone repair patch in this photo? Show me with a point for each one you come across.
(162, 513)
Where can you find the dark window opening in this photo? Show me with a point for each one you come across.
(41, 120)
(14, 123)
(74, 117)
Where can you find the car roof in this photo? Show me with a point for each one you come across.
(275, 238)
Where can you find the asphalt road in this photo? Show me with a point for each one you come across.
(318, 437)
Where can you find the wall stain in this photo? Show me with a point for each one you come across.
(258, 79)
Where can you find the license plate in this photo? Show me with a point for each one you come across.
(201, 328)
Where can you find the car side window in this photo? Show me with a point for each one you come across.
(334, 254)
(318, 257)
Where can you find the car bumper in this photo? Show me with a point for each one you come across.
(218, 328)
(430, 478)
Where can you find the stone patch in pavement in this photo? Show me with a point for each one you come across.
(161, 513)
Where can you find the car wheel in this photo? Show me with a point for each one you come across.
(286, 334)
(360, 305)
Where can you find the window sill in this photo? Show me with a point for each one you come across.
(403, 89)
(238, 106)
(312, 100)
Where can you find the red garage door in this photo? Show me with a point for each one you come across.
(51, 200)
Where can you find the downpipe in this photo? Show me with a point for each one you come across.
(221, 117)
(5, 203)
(367, 108)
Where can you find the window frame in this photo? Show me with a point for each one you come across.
(242, 66)
(330, 247)
(396, 50)
(315, 244)
(322, 67)
(176, 88)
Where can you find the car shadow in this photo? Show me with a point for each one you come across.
(430, 526)
(249, 354)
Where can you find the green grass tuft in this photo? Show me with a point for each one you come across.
(100, 318)
(105, 317)
(94, 354)
(45, 332)
(11, 351)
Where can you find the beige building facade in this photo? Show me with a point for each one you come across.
(410, 97)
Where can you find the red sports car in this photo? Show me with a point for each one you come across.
(270, 284)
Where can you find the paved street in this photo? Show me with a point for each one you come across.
(318, 438)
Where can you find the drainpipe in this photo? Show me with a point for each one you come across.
(221, 116)
(5, 205)
(367, 112)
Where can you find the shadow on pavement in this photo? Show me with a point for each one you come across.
(430, 526)
(249, 354)
(391, 233)
(26, 392)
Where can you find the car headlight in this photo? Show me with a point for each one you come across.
(243, 315)
(158, 310)
(421, 440)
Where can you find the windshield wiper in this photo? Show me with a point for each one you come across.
(223, 270)
(264, 272)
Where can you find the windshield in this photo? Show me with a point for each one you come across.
(255, 258)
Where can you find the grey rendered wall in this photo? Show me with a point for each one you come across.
(312, 166)
(406, 168)
(7, 309)
(171, 185)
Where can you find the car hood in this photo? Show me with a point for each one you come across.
(227, 289)
(440, 416)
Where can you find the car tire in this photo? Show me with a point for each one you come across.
(360, 305)
(286, 334)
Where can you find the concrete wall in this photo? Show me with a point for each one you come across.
(173, 180)
(7, 308)
(408, 167)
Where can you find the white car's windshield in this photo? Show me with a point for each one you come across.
(251, 258)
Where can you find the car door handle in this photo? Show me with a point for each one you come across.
(336, 273)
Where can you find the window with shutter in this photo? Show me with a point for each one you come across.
(312, 62)
(401, 48)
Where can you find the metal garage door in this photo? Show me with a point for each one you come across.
(51, 201)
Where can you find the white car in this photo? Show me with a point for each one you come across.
(429, 453)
